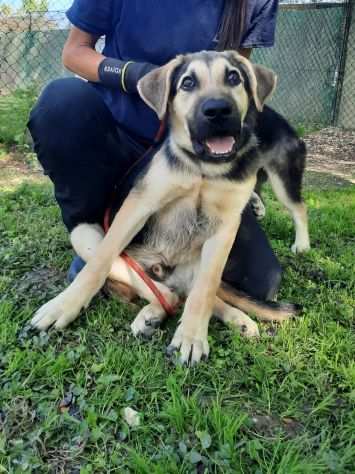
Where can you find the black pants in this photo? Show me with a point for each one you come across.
(86, 154)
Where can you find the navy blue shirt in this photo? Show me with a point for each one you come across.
(155, 31)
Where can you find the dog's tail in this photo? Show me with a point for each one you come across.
(264, 310)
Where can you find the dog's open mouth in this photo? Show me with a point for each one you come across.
(220, 146)
(216, 147)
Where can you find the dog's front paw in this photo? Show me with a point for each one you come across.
(60, 311)
(257, 206)
(192, 343)
(148, 320)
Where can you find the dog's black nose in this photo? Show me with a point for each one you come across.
(217, 109)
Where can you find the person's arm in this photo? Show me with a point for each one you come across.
(80, 57)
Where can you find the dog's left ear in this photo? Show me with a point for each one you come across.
(266, 81)
(262, 80)
(154, 87)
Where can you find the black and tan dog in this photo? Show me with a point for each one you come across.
(187, 204)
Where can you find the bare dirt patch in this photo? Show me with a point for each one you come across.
(331, 157)
(271, 425)
(17, 168)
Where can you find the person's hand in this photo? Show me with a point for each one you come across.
(134, 72)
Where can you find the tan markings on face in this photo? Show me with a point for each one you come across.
(210, 84)
(238, 93)
(201, 70)
(183, 106)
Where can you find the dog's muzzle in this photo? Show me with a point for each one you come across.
(215, 132)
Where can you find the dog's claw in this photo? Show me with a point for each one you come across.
(43, 320)
(153, 323)
(148, 321)
(170, 350)
(192, 347)
(58, 312)
(249, 329)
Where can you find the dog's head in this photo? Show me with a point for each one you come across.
(207, 96)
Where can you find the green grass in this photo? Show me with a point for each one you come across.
(14, 112)
(283, 404)
(304, 129)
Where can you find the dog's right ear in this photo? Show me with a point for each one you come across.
(262, 81)
(154, 87)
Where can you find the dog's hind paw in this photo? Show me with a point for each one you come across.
(247, 327)
(148, 320)
(257, 206)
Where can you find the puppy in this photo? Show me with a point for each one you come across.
(181, 217)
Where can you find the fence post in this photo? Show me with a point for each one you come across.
(346, 110)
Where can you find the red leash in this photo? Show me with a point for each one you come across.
(150, 283)
(168, 308)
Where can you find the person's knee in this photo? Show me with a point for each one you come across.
(59, 104)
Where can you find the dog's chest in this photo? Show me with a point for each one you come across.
(179, 231)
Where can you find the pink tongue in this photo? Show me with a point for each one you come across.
(220, 145)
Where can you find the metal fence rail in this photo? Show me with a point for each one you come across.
(312, 57)
(345, 106)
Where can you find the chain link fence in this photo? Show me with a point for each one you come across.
(313, 56)
(30, 49)
(345, 107)
(309, 58)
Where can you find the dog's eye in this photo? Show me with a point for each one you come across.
(233, 78)
(188, 83)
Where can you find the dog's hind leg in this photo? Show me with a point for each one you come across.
(230, 315)
(256, 200)
(85, 238)
(261, 179)
(296, 207)
(285, 175)
(148, 320)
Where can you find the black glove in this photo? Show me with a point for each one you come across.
(124, 75)
(134, 72)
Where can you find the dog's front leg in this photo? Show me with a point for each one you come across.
(65, 307)
(140, 204)
(191, 335)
